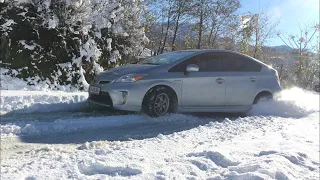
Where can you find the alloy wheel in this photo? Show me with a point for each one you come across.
(161, 104)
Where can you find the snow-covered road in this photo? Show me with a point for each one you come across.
(56, 135)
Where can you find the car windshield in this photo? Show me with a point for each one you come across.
(166, 58)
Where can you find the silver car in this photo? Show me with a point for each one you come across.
(186, 81)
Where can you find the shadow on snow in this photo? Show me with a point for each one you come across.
(141, 126)
(141, 130)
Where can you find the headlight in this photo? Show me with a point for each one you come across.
(130, 78)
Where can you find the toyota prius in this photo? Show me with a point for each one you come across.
(186, 81)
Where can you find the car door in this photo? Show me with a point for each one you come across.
(242, 79)
(205, 88)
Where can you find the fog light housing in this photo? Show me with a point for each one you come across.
(124, 96)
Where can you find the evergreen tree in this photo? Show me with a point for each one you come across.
(66, 42)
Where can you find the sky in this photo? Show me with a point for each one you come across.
(291, 13)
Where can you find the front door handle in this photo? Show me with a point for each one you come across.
(253, 79)
(219, 80)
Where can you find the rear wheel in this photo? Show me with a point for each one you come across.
(158, 102)
(262, 95)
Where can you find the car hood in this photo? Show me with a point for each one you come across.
(123, 70)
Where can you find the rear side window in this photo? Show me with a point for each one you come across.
(238, 63)
(207, 62)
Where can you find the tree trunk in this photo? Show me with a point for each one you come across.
(256, 44)
(200, 29)
(300, 62)
(210, 35)
(160, 41)
(176, 29)
(214, 39)
(167, 30)
(3, 47)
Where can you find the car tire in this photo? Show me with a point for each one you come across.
(262, 96)
(158, 102)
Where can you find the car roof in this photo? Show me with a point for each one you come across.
(210, 50)
(199, 51)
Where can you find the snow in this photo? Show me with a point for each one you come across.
(146, 52)
(12, 83)
(93, 27)
(279, 139)
(40, 101)
(293, 102)
(53, 22)
(6, 25)
(109, 41)
(8, 82)
(83, 80)
(90, 49)
(115, 56)
(269, 148)
(66, 125)
(27, 46)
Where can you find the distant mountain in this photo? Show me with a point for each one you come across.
(283, 49)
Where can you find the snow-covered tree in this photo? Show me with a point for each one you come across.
(66, 41)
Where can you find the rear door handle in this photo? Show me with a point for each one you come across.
(253, 79)
(219, 80)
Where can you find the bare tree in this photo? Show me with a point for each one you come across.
(263, 30)
(157, 21)
(213, 15)
(302, 45)
(168, 9)
(200, 14)
(180, 10)
(220, 14)
(207, 18)
(255, 31)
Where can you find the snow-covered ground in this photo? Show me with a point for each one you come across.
(57, 135)
(41, 101)
(8, 82)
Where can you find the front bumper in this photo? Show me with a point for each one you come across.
(103, 99)
(121, 96)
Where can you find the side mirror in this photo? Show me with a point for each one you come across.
(192, 68)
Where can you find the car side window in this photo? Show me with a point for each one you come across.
(181, 67)
(238, 63)
(207, 62)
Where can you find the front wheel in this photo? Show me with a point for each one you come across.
(158, 102)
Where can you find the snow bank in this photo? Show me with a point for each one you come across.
(41, 101)
(293, 102)
(13, 83)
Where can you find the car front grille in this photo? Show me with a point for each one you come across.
(103, 98)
